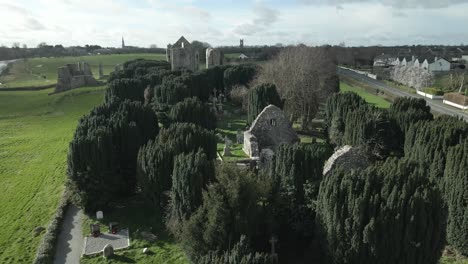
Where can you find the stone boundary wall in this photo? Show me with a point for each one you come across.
(430, 96)
(46, 251)
(28, 88)
(370, 75)
(455, 105)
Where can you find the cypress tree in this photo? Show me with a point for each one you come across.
(338, 105)
(191, 174)
(231, 208)
(260, 97)
(192, 110)
(387, 213)
(240, 253)
(122, 89)
(456, 196)
(102, 154)
(241, 74)
(155, 163)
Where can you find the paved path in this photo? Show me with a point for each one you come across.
(436, 105)
(70, 240)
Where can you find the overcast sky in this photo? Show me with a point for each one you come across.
(224, 22)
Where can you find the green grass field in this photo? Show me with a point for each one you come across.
(31, 72)
(35, 132)
(370, 98)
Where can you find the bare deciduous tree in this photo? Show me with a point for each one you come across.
(412, 76)
(304, 77)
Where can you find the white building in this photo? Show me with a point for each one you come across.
(465, 58)
(243, 56)
(439, 65)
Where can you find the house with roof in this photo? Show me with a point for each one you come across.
(243, 56)
(386, 60)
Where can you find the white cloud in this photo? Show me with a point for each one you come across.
(393, 3)
(264, 17)
(357, 22)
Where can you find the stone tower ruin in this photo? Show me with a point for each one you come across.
(214, 57)
(182, 55)
(76, 75)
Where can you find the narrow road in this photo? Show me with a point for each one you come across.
(70, 240)
(436, 105)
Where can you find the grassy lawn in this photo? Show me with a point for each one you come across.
(31, 72)
(370, 98)
(232, 55)
(138, 216)
(35, 132)
(228, 126)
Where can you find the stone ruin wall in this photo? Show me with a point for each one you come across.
(214, 57)
(184, 58)
(73, 76)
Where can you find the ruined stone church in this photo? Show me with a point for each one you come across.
(182, 55)
(270, 129)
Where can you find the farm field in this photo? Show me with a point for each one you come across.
(370, 98)
(31, 72)
(35, 132)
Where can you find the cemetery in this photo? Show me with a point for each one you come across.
(202, 165)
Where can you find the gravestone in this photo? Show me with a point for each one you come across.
(240, 137)
(226, 151)
(108, 251)
(228, 124)
(99, 215)
(101, 71)
(227, 141)
(274, 256)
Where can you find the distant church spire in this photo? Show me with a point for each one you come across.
(123, 43)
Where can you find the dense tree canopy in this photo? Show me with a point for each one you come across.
(192, 110)
(241, 253)
(121, 89)
(102, 154)
(260, 97)
(387, 213)
(231, 208)
(305, 78)
(191, 174)
(241, 74)
(456, 193)
(156, 158)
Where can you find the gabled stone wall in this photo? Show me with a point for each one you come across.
(270, 129)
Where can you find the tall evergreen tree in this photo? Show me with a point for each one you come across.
(456, 196)
(155, 163)
(102, 154)
(387, 213)
(231, 208)
(122, 89)
(191, 174)
(260, 97)
(192, 110)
